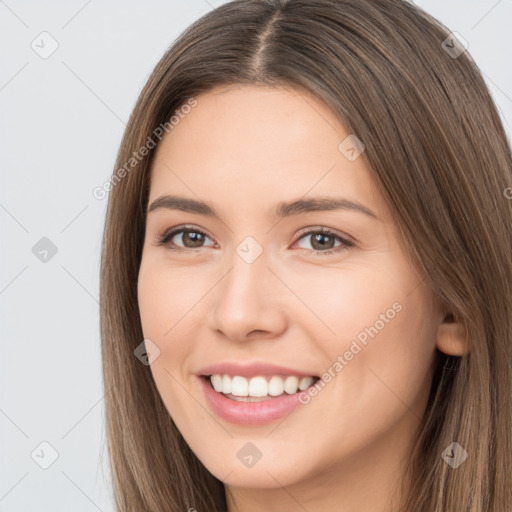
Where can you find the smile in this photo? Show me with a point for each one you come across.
(256, 401)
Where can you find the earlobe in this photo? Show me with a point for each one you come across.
(451, 337)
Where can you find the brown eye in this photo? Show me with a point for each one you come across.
(184, 239)
(323, 241)
(192, 239)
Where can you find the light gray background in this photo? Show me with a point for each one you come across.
(61, 122)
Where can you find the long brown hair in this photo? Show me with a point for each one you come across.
(437, 151)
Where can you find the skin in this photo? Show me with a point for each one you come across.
(244, 149)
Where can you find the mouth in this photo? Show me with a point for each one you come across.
(258, 388)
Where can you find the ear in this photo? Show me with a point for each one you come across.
(451, 337)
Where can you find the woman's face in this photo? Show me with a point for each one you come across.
(259, 283)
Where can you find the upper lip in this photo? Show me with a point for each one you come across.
(251, 370)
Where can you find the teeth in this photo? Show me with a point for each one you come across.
(217, 382)
(239, 386)
(275, 386)
(291, 384)
(226, 384)
(305, 382)
(259, 386)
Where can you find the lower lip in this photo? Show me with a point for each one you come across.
(249, 413)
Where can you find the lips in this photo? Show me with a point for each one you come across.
(249, 413)
(255, 411)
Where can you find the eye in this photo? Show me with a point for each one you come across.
(191, 238)
(323, 239)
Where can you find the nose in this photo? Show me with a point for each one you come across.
(247, 303)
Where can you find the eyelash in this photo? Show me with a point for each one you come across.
(166, 237)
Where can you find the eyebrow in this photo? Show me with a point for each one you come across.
(283, 209)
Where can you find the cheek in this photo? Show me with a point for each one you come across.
(154, 300)
(164, 297)
(387, 359)
(164, 308)
(170, 311)
(341, 303)
(373, 326)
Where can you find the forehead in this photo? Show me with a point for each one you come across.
(245, 117)
(259, 144)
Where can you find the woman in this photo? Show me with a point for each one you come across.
(306, 269)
